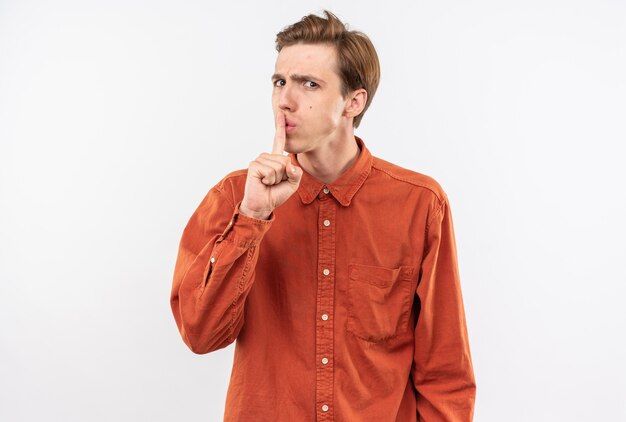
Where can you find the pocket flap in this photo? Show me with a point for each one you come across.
(378, 276)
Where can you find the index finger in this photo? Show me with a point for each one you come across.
(279, 137)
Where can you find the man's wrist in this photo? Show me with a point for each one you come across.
(259, 215)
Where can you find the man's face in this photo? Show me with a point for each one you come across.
(307, 89)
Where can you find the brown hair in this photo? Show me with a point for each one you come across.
(356, 56)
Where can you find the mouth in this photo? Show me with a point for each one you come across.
(289, 126)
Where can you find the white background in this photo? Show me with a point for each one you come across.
(117, 117)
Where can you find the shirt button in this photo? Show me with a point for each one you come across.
(327, 223)
(326, 190)
(325, 408)
(326, 271)
(324, 317)
(324, 361)
(212, 259)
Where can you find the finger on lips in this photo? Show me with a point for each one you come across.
(276, 167)
(280, 135)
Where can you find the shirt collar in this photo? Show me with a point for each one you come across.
(345, 187)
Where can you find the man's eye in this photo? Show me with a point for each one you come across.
(311, 84)
(279, 82)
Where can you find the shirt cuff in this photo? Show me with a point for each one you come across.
(246, 231)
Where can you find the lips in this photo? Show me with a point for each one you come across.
(289, 125)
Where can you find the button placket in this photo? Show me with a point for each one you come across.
(325, 308)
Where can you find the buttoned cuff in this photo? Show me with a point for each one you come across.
(245, 231)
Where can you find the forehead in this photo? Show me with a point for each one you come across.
(305, 59)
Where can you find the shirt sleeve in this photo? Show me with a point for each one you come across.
(214, 272)
(442, 370)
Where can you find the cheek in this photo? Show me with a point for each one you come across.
(339, 109)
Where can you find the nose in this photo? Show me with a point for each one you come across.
(286, 100)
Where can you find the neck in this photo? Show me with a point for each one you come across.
(329, 163)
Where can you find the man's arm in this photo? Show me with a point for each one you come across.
(219, 250)
(442, 368)
(214, 272)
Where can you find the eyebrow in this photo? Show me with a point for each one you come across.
(298, 78)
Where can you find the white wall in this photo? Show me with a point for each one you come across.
(117, 117)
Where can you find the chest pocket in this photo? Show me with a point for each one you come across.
(379, 301)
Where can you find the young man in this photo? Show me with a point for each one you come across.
(334, 270)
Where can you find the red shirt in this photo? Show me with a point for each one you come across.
(346, 304)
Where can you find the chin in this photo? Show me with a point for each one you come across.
(292, 147)
(291, 150)
(295, 150)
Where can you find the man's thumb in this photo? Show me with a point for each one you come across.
(294, 174)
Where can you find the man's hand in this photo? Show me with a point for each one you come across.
(272, 179)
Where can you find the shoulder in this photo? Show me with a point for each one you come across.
(232, 180)
(231, 187)
(409, 177)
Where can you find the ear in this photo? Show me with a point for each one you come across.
(355, 103)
